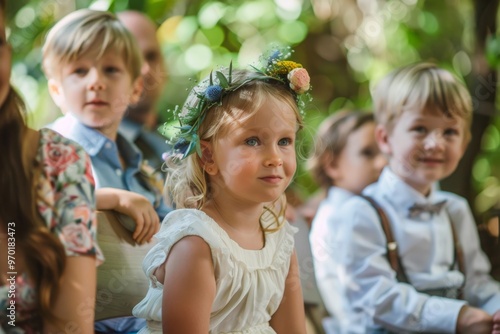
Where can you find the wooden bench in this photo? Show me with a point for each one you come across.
(121, 283)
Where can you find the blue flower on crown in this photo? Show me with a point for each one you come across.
(275, 56)
(186, 141)
(213, 93)
(181, 145)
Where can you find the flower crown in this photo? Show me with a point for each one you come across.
(292, 74)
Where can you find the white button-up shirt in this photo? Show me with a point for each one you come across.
(324, 245)
(353, 245)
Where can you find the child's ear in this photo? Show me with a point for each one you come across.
(207, 159)
(137, 88)
(55, 91)
(382, 138)
(330, 166)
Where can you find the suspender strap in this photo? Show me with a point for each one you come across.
(392, 246)
(393, 256)
(458, 256)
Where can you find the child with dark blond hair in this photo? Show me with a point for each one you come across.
(344, 161)
(407, 256)
(93, 66)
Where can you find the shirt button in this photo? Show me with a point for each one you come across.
(118, 172)
(108, 145)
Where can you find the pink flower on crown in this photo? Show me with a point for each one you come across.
(299, 80)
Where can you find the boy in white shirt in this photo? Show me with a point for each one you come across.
(423, 115)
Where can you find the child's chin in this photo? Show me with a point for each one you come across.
(95, 123)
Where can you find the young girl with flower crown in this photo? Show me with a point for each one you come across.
(225, 261)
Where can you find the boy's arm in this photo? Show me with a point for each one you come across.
(131, 204)
(107, 198)
(370, 284)
(480, 288)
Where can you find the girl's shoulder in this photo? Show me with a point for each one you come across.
(176, 225)
(61, 157)
(185, 222)
(192, 222)
(185, 217)
(49, 136)
(53, 145)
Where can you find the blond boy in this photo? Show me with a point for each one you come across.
(93, 68)
(423, 115)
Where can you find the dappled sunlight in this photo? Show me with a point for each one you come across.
(347, 46)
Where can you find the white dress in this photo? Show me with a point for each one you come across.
(249, 283)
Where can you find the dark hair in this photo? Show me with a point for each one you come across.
(43, 253)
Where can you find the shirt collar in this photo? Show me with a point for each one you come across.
(91, 140)
(130, 153)
(402, 195)
(338, 195)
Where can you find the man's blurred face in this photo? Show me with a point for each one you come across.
(153, 68)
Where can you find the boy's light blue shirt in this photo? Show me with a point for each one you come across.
(356, 247)
(105, 158)
(108, 172)
(156, 144)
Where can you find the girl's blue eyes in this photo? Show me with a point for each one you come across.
(284, 141)
(252, 142)
(255, 142)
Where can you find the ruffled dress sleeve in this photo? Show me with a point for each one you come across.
(249, 283)
(66, 194)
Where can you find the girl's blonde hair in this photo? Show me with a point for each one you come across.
(421, 86)
(187, 184)
(89, 30)
(331, 140)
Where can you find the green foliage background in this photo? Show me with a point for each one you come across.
(346, 45)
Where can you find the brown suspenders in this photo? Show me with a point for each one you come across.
(392, 247)
(458, 256)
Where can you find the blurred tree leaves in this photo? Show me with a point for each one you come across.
(493, 51)
(346, 45)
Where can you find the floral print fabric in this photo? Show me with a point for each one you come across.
(66, 203)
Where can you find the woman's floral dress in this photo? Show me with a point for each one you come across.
(67, 205)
